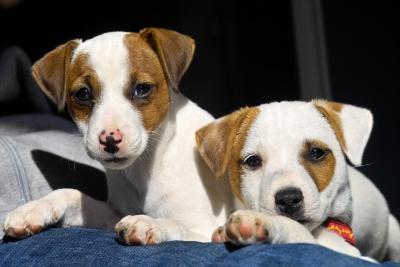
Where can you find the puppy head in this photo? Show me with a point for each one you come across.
(116, 87)
(288, 158)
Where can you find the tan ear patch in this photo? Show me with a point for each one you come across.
(330, 110)
(211, 142)
(221, 142)
(321, 171)
(175, 51)
(145, 67)
(50, 72)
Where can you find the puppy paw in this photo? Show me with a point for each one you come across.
(29, 219)
(242, 228)
(138, 230)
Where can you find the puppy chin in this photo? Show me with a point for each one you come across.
(309, 221)
(117, 163)
(114, 162)
(312, 221)
(124, 158)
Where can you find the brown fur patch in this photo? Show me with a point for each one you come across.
(321, 171)
(158, 57)
(50, 72)
(330, 110)
(240, 135)
(81, 75)
(145, 67)
(175, 51)
(221, 142)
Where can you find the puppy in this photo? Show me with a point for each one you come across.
(121, 89)
(287, 167)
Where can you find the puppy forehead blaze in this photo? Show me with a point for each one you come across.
(321, 170)
(145, 67)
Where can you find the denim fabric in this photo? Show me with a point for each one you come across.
(88, 247)
(34, 162)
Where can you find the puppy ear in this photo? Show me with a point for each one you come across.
(352, 126)
(50, 72)
(219, 140)
(174, 49)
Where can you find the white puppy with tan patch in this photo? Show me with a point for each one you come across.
(121, 89)
(287, 167)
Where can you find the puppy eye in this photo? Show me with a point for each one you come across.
(316, 154)
(253, 162)
(83, 95)
(142, 90)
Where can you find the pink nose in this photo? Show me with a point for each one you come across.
(110, 140)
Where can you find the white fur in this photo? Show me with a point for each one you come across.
(163, 175)
(278, 135)
(108, 57)
(356, 137)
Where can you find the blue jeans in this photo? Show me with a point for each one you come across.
(89, 247)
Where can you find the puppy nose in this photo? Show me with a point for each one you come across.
(289, 200)
(110, 140)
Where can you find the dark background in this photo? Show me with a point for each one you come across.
(246, 55)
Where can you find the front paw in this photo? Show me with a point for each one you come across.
(138, 230)
(29, 219)
(243, 227)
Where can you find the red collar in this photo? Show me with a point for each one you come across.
(342, 229)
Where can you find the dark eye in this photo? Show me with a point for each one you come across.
(142, 90)
(253, 162)
(316, 154)
(84, 95)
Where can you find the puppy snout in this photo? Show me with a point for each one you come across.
(110, 140)
(289, 201)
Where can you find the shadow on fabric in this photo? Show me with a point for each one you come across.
(64, 173)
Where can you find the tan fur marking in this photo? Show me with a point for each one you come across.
(322, 171)
(330, 111)
(81, 75)
(211, 142)
(50, 72)
(145, 67)
(240, 134)
(175, 51)
(221, 142)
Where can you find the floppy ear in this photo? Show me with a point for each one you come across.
(352, 126)
(50, 72)
(175, 51)
(218, 141)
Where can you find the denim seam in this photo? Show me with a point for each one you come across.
(19, 169)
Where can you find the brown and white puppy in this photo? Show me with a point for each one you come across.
(121, 89)
(287, 167)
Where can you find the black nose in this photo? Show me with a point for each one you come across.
(289, 200)
(111, 145)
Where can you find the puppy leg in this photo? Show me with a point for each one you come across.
(63, 207)
(145, 230)
(393, 239)
(246, 227)
(330, 239)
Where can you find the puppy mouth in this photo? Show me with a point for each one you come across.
(115, 160)
(117, 163)
(299, 217)
(107, 158)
